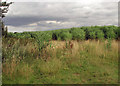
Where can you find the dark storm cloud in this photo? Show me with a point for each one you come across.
(20, 21)
(25, 20)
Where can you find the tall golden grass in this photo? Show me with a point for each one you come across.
(52, 58)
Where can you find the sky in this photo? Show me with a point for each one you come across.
(51, 15)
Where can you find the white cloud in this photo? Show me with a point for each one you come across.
(49, 22)
(33, 24)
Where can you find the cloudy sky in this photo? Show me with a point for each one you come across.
(40, 16)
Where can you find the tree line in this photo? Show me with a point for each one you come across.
(75, 33)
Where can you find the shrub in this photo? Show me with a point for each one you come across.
(77, 34)
(92, 35)
(110, 34)
(117, 32)
(87, 32)
(55, 35)
(65, 35)
(11, 35)
(42, 38)
(99, 34)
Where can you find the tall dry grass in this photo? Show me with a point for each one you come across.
(25, 61)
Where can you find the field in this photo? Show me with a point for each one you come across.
(52, 57)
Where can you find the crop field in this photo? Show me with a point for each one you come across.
(85, 55)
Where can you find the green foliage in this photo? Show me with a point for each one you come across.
(99, 34)
(109, 42)
(77, 34)
(65, 35)
(110, 31)
(88, 32)
(19, 35)
(11, 35)
(111, 34)
(92, 35)
(55, 35)
(42, 38)
(117, 32)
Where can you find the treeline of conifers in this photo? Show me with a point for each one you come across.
(75, 33)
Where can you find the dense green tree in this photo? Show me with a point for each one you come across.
(92, 35)
(99, 34)
(55, 35)
(77, 34)
(80, 33)
(111, 34)
(65, 35)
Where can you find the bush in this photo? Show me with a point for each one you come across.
(77, 34)
(92, 35)
(42, 38)
(65, 35)
(117, 32)
(11, 35)
(54, 36)
(99, 34)
(88, 31)
(111, 34)
(105, 29)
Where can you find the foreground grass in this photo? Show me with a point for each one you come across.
(84, 62)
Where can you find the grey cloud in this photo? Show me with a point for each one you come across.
(96, 14)
(21, 21)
